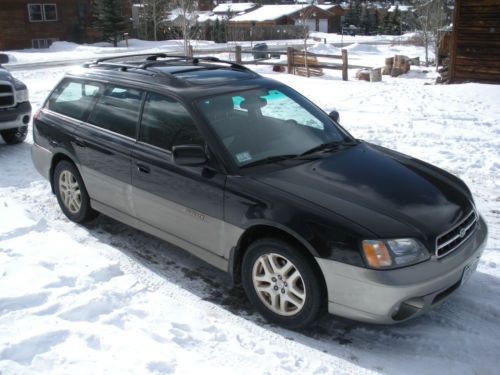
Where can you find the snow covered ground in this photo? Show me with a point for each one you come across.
(105, 298)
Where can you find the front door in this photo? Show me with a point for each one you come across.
(185, 202)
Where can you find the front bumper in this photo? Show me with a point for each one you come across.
(15, 117)
(392, 296)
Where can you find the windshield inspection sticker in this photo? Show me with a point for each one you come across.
(243, 156)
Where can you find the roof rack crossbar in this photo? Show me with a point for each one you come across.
(150, 56)
(195, 61)
(125, 66)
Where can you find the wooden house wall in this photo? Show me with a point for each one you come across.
(73, 23)
(475, 53)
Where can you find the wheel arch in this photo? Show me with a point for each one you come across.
(56, 159)
(263, 230)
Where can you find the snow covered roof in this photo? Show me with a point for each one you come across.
(402, 8)
(209, 16)
(233, 7)
(268, 13)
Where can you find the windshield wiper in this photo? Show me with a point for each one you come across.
(328, 146)
(270, 159)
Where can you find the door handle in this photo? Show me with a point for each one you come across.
(143, 168)
(79, 142)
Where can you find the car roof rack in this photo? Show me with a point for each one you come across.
(152, 61)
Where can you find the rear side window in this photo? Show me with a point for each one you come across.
(74, 98)
(166, 123)
(118, 110)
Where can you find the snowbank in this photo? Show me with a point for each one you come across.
(326, 49)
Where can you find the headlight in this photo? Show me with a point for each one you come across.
(384, 254)
(22, 96)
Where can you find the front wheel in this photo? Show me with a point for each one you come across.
(71, 193)
(13, 136)
(282, 283)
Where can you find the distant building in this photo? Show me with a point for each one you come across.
(37, 24)
(318, 18)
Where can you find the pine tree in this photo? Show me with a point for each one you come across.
(395, 22)
(110, 19)
(385, 27)
(364, 21)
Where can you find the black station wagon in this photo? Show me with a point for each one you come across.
(249, 175)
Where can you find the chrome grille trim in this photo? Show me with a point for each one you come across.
(450, 240)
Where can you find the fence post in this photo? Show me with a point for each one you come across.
(238, 54)
(345, 65)
(289, 59)
(190, 51)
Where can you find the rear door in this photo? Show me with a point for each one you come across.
(186, 202)
(106, 141)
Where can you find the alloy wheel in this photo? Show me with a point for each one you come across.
(69, 190)
(279, 284)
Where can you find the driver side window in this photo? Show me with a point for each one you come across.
(166, 123)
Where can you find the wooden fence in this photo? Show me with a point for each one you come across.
(296, 63)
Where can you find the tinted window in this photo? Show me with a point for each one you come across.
(74, 98)
(118, 110)
(166, 123)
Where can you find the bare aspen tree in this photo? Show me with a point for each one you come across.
(430, 16)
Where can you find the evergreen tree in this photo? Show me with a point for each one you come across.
(385, 27)
(110, 19)
(395, 22)
(350, 16)
(364, 21)
(215, 31)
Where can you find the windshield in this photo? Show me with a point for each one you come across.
(263, 124)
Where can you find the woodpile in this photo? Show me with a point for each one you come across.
(312, 63)
(370, 75)
(397, 65)
(376, 75)
(363, 74)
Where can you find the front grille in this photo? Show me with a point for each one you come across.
(7, 98)
(453, 238)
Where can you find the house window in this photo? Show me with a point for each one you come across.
(42, 12)
(50, 12)
(42, 43)
(35, 12)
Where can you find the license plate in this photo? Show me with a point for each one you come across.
(469, 270)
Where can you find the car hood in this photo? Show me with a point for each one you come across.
(388, 193)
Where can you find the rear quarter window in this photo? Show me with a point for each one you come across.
(74, 98)
(117, 110)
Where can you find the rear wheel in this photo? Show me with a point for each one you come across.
(282, 283)
(71, 193)
(16, 135)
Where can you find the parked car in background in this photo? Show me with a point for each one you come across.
(249, 175)
(15, 108)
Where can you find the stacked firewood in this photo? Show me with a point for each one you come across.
(397, 65)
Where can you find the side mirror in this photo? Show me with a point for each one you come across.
(4, 59)
(189, 155)
(334, 115)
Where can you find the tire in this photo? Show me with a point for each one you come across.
(16, 135)
(297, 283)
(71, 193)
